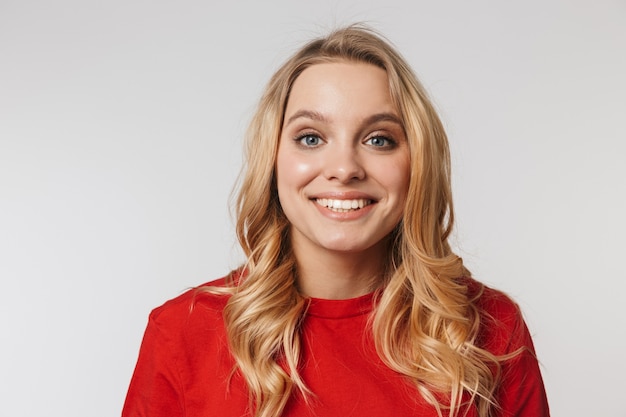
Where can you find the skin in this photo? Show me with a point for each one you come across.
(342, 139)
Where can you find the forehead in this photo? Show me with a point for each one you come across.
(341, 88)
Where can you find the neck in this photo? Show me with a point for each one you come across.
(338, 275)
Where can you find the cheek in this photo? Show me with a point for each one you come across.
(399, 181)
(293, 169)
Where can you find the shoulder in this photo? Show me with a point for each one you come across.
(493, 302)
(504, 333)
(196, 307)
(502, 328)
(184, 340)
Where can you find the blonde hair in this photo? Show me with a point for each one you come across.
(425, 322)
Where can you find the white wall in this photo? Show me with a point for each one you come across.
(120, 134)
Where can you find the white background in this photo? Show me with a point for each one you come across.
(120, 135)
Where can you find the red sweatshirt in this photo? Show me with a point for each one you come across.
(184, 364)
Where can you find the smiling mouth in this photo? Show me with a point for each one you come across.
(343, 206)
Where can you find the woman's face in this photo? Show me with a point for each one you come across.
(343, 161)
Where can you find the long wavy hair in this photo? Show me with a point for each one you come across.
(425, 322)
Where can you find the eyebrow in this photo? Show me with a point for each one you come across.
(317, 116)
(383, 117)
(308, 114)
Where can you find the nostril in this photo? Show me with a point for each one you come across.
(345, 171)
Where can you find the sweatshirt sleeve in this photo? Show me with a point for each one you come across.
(521, 392)
(155, 388)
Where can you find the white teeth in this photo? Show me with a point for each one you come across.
(342, 206)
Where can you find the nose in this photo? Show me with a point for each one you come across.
(343, 164)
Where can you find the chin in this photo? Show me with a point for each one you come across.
(348, 247)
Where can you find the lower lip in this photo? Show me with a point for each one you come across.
(346, 215)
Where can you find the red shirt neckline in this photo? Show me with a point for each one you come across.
(338, 309)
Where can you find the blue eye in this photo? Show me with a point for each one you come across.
(309, 140)
(380, 142)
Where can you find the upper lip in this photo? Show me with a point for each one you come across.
(343, 195)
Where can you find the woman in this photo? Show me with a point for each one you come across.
(351, 301)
